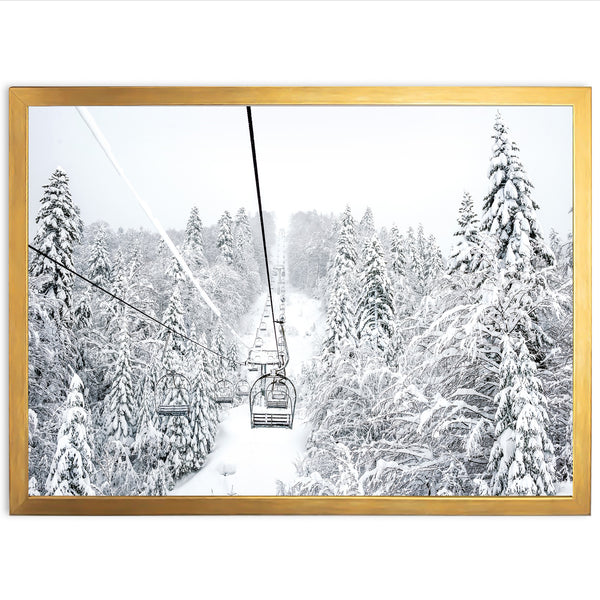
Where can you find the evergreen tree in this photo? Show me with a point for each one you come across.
(99, 263)
(83, 311)
(509, 212)
(121, 477)
(218, 345)
(342, 288)
(147, 450)
(522, 457)
(225, 238)
(178, 432)
(173, 318)
(345, 258)
(120, 410)
(367, 226)
(435, 260)
(398, 257)
(340, 319)
(375, 314)
(466, 253)
(204, 412)
(232, 356)
(59, 229)
(244, 257)
(72, 467)
(420, 262)
(410, 246)
(119, 277)
(193, 246)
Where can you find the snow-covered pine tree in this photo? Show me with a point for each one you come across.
(466, 253)
(342, 286)
(119, 277)
(175, 387)
(83, 311)
(193, 246)
(367, 226)
(59, 229)
(225, 238)
(118, 286)
(435, 262)
(147, 451)
(420, 261)
(375, 311)
(345, 257)
(204, 389)
(121, 478)
(397, 253)
(204, 412)
(72, 467)
(509, 212)
(120, 402)
(410, 245)
(232, 356)
(242, 233)
(219, 346)
(244, 257)
(522, 458)
(99, 265)
(178, 431)
(340, 320)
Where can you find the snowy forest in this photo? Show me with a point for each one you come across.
(420, 373)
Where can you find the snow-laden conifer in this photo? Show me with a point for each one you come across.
(340, 319)
(99, 266)
(509, 212)
(204, 413)
(466, 252)
(398, 257)
(345, 257)
(120, 402)
(375, 311)
(225, 238)
(367, 226)
(522, 458)
(193, 245)
(72, 467)
(148, 449)
(59, 230)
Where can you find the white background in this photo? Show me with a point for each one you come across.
(314, 43)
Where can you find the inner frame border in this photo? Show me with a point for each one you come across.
(21, 98)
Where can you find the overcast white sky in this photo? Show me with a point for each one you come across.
(410, 164)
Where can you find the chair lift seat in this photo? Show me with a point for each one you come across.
(172, 410)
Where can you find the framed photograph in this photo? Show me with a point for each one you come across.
(300, 300)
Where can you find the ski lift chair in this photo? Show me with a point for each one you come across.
(258, 342)
(224, 392)
(272, 402)
(172, 384)
(242, 388)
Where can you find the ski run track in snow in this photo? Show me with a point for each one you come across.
(249, 461)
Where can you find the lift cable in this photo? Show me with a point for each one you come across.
(128, 304)
(89, 120)
(262, 223)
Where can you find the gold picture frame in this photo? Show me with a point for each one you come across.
(21, 98)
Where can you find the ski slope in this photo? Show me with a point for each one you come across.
(249, 461)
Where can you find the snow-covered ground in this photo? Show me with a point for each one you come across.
(249, 461)
(564, 488)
